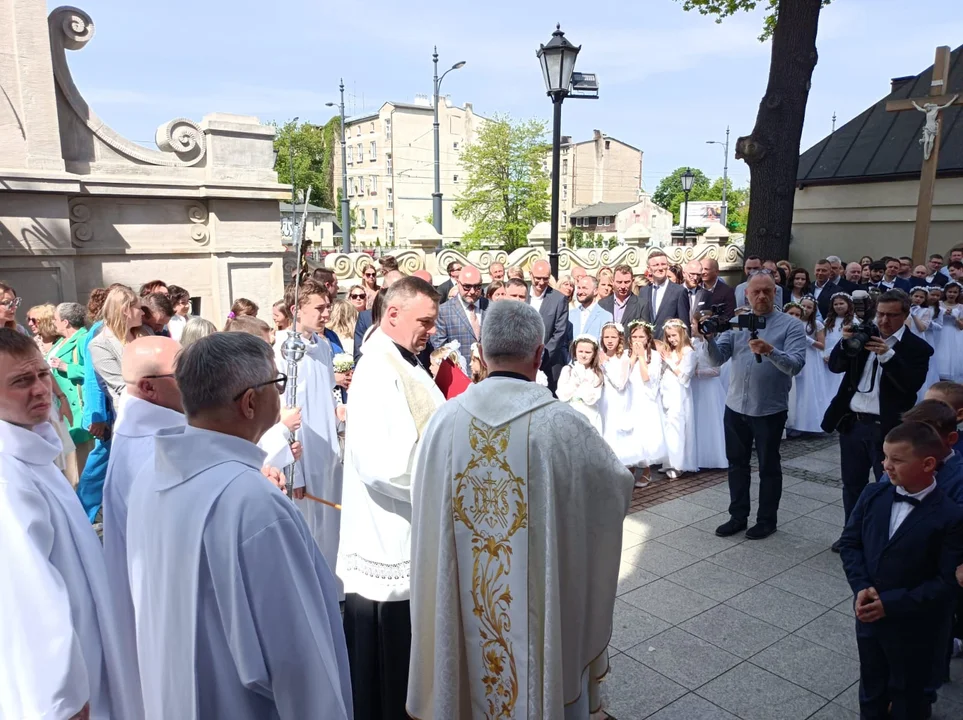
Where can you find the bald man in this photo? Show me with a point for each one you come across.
(462, 318)
(149, 403)
(364, 318)
(553, 307)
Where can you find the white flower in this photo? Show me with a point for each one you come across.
(343, 362)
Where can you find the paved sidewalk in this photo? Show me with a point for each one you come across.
(710, 628)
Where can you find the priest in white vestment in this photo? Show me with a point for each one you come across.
(150, 403)
(392, 397)
(318, 473)
(517, 517)
(235, 608)
(61, 655)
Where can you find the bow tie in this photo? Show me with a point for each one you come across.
(471, 307)
(900, 497)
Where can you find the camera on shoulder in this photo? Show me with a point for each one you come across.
(716, 322)
(863, 327)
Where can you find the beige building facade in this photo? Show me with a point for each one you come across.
(390, 160)
(83, 207)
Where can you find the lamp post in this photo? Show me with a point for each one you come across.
(345, 206)
(558, 62)
(687, 178)
(436, 195)
(725, 176)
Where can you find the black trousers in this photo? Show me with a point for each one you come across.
(378, 635)
(860, 450)
(894, 671)
(741, 430)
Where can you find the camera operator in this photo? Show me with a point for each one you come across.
(764, 361)
(885, 367)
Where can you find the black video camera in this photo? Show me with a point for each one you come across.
(714, 321)
(864, 308)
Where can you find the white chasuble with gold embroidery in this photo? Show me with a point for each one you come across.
(517, 509)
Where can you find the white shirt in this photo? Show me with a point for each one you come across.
(658, 292)
(817, 289)
(866, 400)
(477, 311)
(536, 300)
(584, 313)
(901, 510)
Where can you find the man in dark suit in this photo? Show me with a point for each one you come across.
(936, 278)
(700, 299)
(881, 383)
(824, 286)
(453, 269)
(663, 300)
(622, 304)
(852, 280)
(462, 318)
(719, 292)
(900, 550)
(553, 307)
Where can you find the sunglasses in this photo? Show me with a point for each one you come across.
(469, 288)
(280, 382)
(362, 296)
(10, 304)
(372, 274)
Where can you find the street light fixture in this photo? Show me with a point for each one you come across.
(725, 176)
(436, 195)
(687, 179)
(345, 206)
(557, 59)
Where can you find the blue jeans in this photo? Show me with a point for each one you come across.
(741, 430)
(90, 489)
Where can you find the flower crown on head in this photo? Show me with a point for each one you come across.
(636, 323)
(788, 305)
(616, 325)
(842, 295)
(955, 283)
(585, 337)
(931, 288)
(674, 322)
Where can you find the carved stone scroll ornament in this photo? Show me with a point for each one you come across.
(80, 231)
(198, 216)
(181, 141)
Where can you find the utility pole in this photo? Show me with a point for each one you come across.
(725, 184)
(345, 205)
(436, 211)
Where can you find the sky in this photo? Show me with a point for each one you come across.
(669, 80)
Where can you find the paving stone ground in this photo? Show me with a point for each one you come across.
(710, 628)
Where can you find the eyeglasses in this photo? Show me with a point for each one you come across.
(362, 296)
(280, 382)
(31, 321)
(371, 274)
(469, 288)
(10, 304)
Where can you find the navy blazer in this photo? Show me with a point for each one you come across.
(914, 572)
(674, 304)
(633, 308)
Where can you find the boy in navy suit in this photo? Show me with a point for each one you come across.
(900, 550)
(952, 394)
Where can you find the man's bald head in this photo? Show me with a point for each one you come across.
(854, 272)
(391, 277)
(761, 293)
(148, 369)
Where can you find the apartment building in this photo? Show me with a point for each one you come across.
(390, 160)
(600, 170)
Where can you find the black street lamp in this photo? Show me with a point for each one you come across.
(345, 207)
(436, 209)
(687, 179)
(558, 63)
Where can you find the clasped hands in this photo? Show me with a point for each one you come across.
(869, 608)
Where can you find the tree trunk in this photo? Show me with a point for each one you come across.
(772, 150)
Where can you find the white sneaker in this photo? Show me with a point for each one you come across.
(672, 474)
(641, 483)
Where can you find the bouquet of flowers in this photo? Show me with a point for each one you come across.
(343, 362)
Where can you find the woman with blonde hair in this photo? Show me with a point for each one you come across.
(123, 319)
(344, 316)
(40, 322)
(196, 329)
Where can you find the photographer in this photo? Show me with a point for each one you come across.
(885, 367)
(767, 350)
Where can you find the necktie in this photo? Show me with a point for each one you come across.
(473, 319)
(900, 497)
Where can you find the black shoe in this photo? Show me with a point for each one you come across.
(760, 531)
(835, 547)
(731, 527)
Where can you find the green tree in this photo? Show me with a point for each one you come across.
(507, 189)
(737, 200)
(314, 147)
(772, 149)
(669, 193)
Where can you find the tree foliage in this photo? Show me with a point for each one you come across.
(669, 193)
(721, 9)
(314, 147)
(506, 194)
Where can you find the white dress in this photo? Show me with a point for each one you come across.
(645, 410)
(929, 334)
(809, 397)
(618, 425)
(709, 402)
(581, 388)
(678, 417)
(833, 380)
(949, 354)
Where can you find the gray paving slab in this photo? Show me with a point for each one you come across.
(846, 607)
(632, 691)
(828, 590)
(810, 665)
(797, 504)
(776, 607)
(945, 709)
(699, 542)
(832, 711)
(632, 577)
(812, 529)
(713, 581)
(832, 514)
(716, 500)
(630, 539)
(834, 631)
(849, 698)
(816, 491)
(657, 558)
(733, 631)
(683, 657)
(649, 525)
(813, 464)
(827, 562)
(749, 560)
(791, 547)
(682, 511)
(751, 693)
(630, 626)
(668, 601)
(692, 707)
(710, 524)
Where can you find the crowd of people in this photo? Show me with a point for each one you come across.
(424, 509)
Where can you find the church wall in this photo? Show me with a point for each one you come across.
(872, 219)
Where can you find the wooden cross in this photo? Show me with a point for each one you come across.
(938, 99)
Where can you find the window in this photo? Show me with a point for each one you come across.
(373, 183)
(360, 153)
(372, 128)
(374, 150)
(388, 162)
(564, 192)
(391, 199)
(374, 218)
(454, 145)
(564, 218)
(350, 154)
(361, 184)
(387, 128)
(606, 144)
(359, 131)
(362, 222)
(454, 178)
(565, 166)
(391, 232)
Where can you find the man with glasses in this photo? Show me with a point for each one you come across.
(754, 266)
(9, 302)
(881, 383)
(720, 293)
(553, 307)
(227, 583)
(462, 318)
(453, 269)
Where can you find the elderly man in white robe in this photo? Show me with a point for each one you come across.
(391, 400)
(61, 654)
(517, 518)
(318, 473)
(150, 402)
(235, 608)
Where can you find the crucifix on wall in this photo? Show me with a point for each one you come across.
(931, 106)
